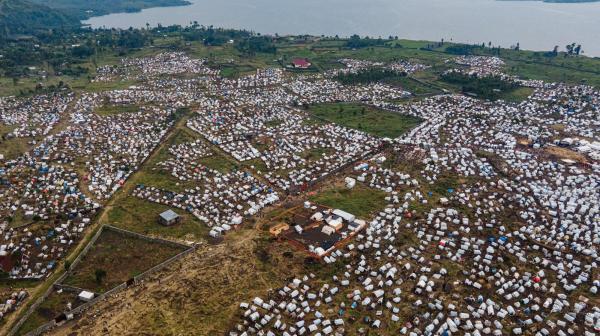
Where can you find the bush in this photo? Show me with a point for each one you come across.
(100, 275)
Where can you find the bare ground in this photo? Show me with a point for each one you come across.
(197, 296)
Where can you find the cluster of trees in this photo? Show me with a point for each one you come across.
(85, 9)
(356, 42)
(467, 49)
(34, 17)
(490, 87)
(572, 49)
(369, 76)
(25, 17)
(64, 51)
(462, 49)
(256, 44)
(211, 36)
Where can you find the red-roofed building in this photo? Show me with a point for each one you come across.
(301, 63)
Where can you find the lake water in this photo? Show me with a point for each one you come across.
(535, 25)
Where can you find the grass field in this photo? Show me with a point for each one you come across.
(219, 163)
(258, 164)
(235, 70)
(360, 201)
(316, 153)
(108, 110)
(411, 85)
(365, 118)
(517, 95)
(7, 285)
(12, 148)
(137, 215)
(121, 257)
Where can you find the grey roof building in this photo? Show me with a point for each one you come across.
(169, 218)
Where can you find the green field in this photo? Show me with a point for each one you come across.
(518, 95)
(360, 201)
(365, 118)
(108, 110)
(219, 163)
(316, 153)
(413, 86)
(141, 216)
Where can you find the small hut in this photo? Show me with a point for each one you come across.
(169, 218)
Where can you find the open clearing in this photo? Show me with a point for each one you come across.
(106, 110)
(137, 215)
(360, 201)
(365, 118)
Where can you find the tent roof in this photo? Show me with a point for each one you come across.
(169, 215)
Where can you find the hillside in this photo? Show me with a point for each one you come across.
(559, 1)
(23, 17)
(87, 9)
(28, 16)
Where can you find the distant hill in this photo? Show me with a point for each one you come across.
(570, 1)
(25, 17)
(88, 8)
(558, 1)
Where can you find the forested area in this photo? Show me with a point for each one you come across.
(88, 8)
(356, 42)
(24, 17)
(370, 75)
(490, 87)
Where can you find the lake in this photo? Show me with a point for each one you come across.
(535, 25)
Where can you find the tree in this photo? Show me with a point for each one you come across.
(100, 275)
(570, 49)
(256, 44)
